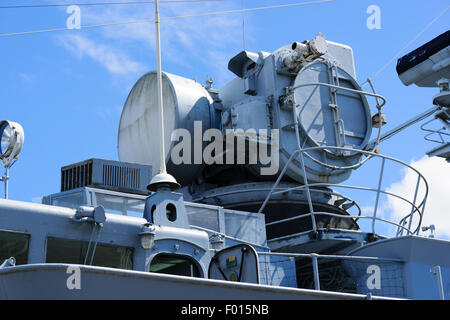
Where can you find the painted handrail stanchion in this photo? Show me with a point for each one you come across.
(414, 201)
(380, 180)
(316, 271)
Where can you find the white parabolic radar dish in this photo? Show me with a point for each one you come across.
(184, 101)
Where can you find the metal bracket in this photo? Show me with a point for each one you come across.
(96, 215)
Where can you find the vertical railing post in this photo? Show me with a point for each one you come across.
(308, 193)
(421, 214)
(402, 223)
(315, 271)
(378, 195)
(413, 205)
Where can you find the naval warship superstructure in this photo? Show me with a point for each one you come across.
(261, 214)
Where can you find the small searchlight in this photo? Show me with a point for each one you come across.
(11, 141)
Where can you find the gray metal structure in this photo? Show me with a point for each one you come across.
(232, 232)
(429, 66)
(106, 174)
(303, 96)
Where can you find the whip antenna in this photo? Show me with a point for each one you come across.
(162, 179)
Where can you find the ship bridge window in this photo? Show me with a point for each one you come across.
(123, 205)
(14, 244)
(74, 251)
(175, 264)
(72, 199)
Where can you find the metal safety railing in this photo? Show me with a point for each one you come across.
(404, 225)
(315, 261)
(333, 90)
(301, 152)
(437, 135)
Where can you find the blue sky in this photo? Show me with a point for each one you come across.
(67, 88)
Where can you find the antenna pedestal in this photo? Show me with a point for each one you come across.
(163, 181)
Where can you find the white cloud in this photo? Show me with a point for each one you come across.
(198, 39)
(437, 209)
(114, 60)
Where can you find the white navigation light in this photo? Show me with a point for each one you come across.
(147, 236)
(11, 141)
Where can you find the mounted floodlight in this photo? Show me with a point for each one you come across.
(11, 141)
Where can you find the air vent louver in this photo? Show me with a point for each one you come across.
(106, 174)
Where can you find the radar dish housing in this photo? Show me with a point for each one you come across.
(304, 83)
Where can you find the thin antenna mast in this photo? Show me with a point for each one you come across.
(162, 167)
(162, 180)
(243, 25)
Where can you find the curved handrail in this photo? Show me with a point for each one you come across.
(416, 208)
(432, 132)
(419, 209)
(379, 106)
(332, 215)
(342, 88)
(282, 190)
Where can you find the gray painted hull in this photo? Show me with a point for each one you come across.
(49, 281)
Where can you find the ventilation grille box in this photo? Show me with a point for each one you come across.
(106, 174)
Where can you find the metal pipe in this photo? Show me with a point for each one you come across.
(6, 182)
(316, 271)
(89, 246)
(404, 125)
(327, 256)
(95, 244)
(277, 182)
